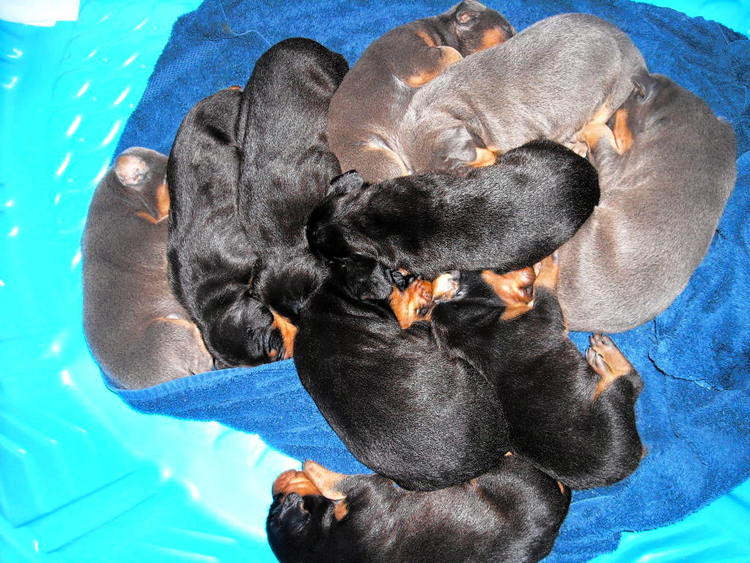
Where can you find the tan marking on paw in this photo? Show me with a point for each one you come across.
(484, 157)
(547, 272)
(412, 304)
(293, 481)
(324, 479)
(606, 359)
(515, 290)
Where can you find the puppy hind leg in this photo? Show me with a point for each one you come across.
(377, 163)
(606, 359)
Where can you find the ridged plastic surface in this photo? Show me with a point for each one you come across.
(82, 477)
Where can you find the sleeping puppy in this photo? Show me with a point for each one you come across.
(507, 95)
(402, 407)
(512, 513)
(286, 170)
(571, 417)
(502, 217)
(373, 97)
(246, 169)
(137, 331)
(667, 167)
(211, 260)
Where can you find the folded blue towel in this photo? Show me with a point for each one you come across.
(694, 358)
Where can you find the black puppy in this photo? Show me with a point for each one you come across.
(402, 407)
(512, 513)
(573, 418)
(502, 217)
(245, 170)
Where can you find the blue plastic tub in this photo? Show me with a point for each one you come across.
(83, 477)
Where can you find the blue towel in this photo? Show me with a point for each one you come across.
(694, 412)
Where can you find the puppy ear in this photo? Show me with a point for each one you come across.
(643, 86)
(131, 170)
(345, 183)
(467, 12)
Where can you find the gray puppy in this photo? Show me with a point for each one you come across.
(666, 169)
(136, 329)
(372, 98)
(547, 81)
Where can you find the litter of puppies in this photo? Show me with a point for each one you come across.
(425, 298)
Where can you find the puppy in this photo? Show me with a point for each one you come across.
(502, 217)
(400, 405)
(572, 418)
(246, 169)
(373, 97)
(507, 95)
(286, 170)
(136, 329)
(666, 167)
(512, 513)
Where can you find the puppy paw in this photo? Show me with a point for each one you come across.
(515, 290)
(324, 479)
(594, 133)
(578, 147)
(445, 286)
(548, 272)
(607, 361)
(293, 481)
(413, 303)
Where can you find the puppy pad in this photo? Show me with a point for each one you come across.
(694, 358)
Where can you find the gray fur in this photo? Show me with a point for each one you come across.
(660, 204)
(547, 81)
(129, 309)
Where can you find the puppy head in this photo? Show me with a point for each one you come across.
(476, 27)
(307, 505)
(245, 335)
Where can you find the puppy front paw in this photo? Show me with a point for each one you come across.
(445, 287)
(413, 303)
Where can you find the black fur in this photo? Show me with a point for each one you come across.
(512, 513)
(403, 408)
(546, 387)
(502, 217)
(245, 170)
